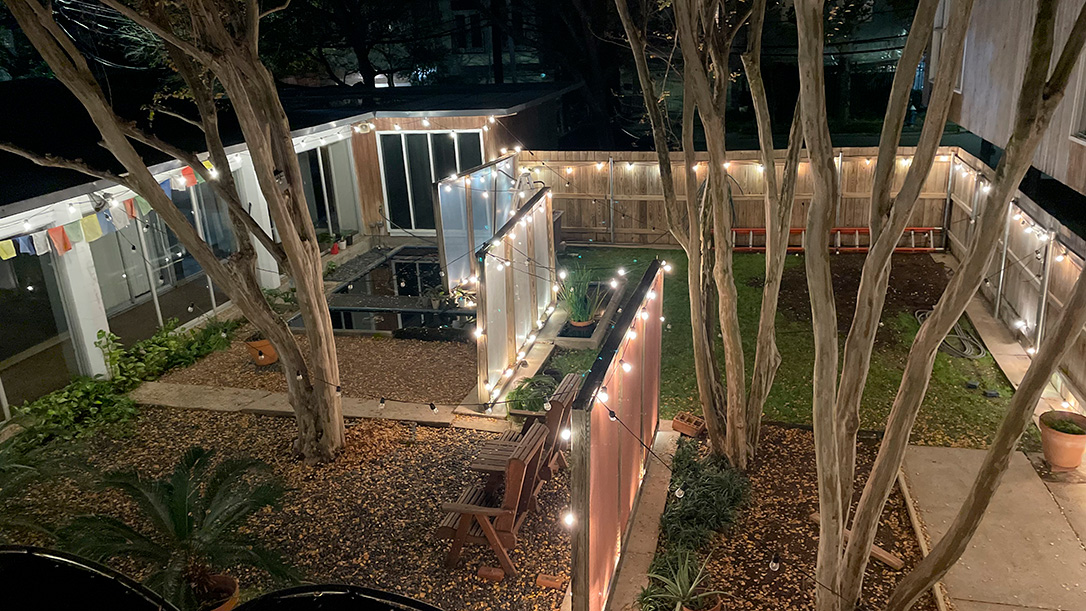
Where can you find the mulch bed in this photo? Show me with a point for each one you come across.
(916, 282)
(783, 493)
(369, 367)
(368, 519)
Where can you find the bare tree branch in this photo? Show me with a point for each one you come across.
(274, 9)
(52, 161)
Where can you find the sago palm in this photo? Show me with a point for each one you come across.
(196, 513)
(18, 468)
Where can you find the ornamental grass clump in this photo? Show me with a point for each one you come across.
(579, 297)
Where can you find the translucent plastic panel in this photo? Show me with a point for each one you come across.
(523, 304)
(494, 282)
(454, 233)
(505, 182)
(544, 275)
(482, 205)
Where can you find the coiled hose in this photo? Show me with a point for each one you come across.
(958, 342)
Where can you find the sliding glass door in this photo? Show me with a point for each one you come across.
(412, 161)
(330, 190)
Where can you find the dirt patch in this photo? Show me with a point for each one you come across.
(369, 367)
(783, 493)
(916, 283)
(368, 519)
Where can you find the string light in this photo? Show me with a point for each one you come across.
(631, 334)
(614, 283)
(599, 165)
(626, 367)
(490, 118)
(622, 271)
(568, 519)
(478, 332)
(1019, 324)
(397, 127)
(1031, 350)
(1017, 216)
(562, 274)
(566, 434)
(433, 408)
(381, 404)
(602, 395)
(1060, 257)
(425, 122)
(1065, 404)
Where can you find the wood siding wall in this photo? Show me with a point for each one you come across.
(997, 48)
(581, 185)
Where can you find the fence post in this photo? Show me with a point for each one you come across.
(611, 201)
(1046, 273)
(1003, 262)
(580, 488)
(949, 202)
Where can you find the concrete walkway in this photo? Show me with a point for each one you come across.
(1027, 553)
(191, 396)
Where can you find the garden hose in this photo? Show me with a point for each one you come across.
(958, 342)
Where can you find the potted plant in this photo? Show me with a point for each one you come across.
(681, 587)
(532, 394)
(1063, 439)
(261, 350)
(348, 237)
(579, 299)
(435, 296)
(195, 517)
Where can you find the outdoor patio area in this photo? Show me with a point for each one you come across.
(368, 519)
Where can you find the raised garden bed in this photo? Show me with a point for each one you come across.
(572, 337)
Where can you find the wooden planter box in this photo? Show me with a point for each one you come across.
(688, 424)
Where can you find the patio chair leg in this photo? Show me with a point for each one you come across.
(496, 545)
(458, 541)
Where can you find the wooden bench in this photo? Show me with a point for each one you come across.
(494, 454)
(483, 516)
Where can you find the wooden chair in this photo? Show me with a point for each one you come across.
(493, 455)
(482, 516)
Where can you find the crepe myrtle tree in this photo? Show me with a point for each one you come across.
(212, 46)
(702, 223)
(841, 564)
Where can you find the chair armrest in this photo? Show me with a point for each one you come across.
(475, 509)
(530, 417)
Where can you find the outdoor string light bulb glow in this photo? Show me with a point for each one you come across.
(1060, 257)
(478, 332)
(599, 165)
(1017, 216)
(622, 271)
(614, 283)
(508, 372)
(629, 165)
(556, 288)
(26, 224)
(651, 295)
(425, 122)
(602, 395)
(566, 434)
(1019, 324)
(568, 519)
(1031, 350)
(397, 127)
(631, 334)
(986, 188)
(644, 314)
(625, 366)
(569, 170)
(1065, 404)
(562, 274)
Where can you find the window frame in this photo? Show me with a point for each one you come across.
(430, 133)
(1078, 111)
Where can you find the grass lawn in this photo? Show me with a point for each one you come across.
(952, 415)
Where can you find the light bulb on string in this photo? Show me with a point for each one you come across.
(611, 415)
(339, 391)
(298, 376)
(191, 307)
(433, 408)
(775, 562)
(562, 274)
(614, 283)
(381, 404)
(622, 271)
(631, 334)
(568, 519)
(625, 366)
(425, 122)
(644, 314)
(679, 493)
(602, 395)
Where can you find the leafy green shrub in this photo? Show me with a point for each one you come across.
(282, 301)
(1067, 426)
(531, 394)
(712, 492)
(87, 404)
(83, 405)
(197, 516)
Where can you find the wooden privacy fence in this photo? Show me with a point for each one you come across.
(1037, 256)
(617, 197)
(614, 421)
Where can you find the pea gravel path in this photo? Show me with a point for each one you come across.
(369, 367)
(367, 519)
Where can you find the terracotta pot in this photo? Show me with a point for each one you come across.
(224, 583)
(580, 323)
(717, 607)
(262, 352)
(1063, 451)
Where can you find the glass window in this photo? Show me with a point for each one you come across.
(215, 221)
(397, 198)
(339, 167)
(412, 162)
(36, 352)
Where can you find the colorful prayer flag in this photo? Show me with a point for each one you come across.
(25, 244)
(166, 188)
(60, 240)
(189, 175)
(7, 250)
(130, 208)
(92, 229)
(144, 205)
(41, 243)
(74, 231)
(118, 218)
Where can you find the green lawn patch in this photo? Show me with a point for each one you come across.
(952, 415)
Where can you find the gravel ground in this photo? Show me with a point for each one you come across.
(783, 494)
(367, 519)
(369, 367)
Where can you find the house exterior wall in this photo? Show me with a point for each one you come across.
(996, 51)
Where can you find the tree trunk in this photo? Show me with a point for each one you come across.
(820, 216)
(1038, 99)
(252, 91)
(890, 216)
